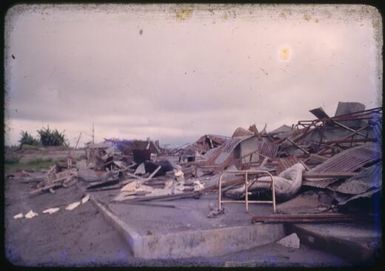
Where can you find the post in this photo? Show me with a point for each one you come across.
(273, 191)
(246, 191)
(93, 133)
(220, 192)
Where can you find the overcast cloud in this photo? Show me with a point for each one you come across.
(175, 72)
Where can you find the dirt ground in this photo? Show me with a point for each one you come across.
(82, 237)
(77, 237)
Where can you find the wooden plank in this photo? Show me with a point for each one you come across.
(135, 176)
(153, 173)
(306, 218)
(194, 194)
(143, 203)
(42, 189)
(103, 184)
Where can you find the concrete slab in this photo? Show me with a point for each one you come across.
(185, 231)
(357, 243)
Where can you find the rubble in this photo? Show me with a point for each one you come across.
(321, 169)
(290, 241)
(56, 177)
(51, 210)
(326, 171)
(18, 216)
(73, 205)
(30, 214)
(288, 182)
(85, 199)
(216, 212)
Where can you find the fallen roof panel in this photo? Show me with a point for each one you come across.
(350, 159)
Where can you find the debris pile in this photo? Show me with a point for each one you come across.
(327, 164)
(55, 178)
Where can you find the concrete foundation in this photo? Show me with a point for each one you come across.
(184, 232)
(359, 244)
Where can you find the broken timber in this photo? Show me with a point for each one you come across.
(305, 218)
(194, 194)
(103, 184)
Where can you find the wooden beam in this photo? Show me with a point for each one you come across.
(305, 218)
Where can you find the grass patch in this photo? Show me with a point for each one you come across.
(36, 164)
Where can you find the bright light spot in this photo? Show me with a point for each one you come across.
(285, 53)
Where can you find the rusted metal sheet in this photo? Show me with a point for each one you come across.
(304, 218)
(285, 163)
(231, 144)
(319, 113)
(350, 159)
(268, 149)
(228, 148)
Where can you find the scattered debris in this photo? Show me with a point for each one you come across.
(51, 210)
(55, 178)
(31, 214)
(85, 199)
(140, 170)
(73, 205)
(290, 241)
(216, 212)
(322, 169)
(198, 186)
(18, 216)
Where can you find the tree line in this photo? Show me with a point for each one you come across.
(46, 137)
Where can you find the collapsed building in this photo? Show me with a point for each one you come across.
(326, 169)
(337, 157)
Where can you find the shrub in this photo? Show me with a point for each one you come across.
(27, 139)
(51, 137)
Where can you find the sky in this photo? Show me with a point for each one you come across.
(177, 72)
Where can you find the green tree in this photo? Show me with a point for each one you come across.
(51, 137)
(27, 139)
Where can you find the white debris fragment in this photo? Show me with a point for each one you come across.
(85, 199)
(30, 214)
(198, 185)
(179, 175)
(51, 210)
(140, 169)
(131, 187)
(18, 216)
(73, 205)
(290, 241)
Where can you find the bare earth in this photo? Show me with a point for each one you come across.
(82, 237)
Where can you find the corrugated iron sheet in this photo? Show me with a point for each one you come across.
(285, 163)
(350, 159)
(268, 149)
(231, 144)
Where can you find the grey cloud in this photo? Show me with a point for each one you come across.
(180, 79)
